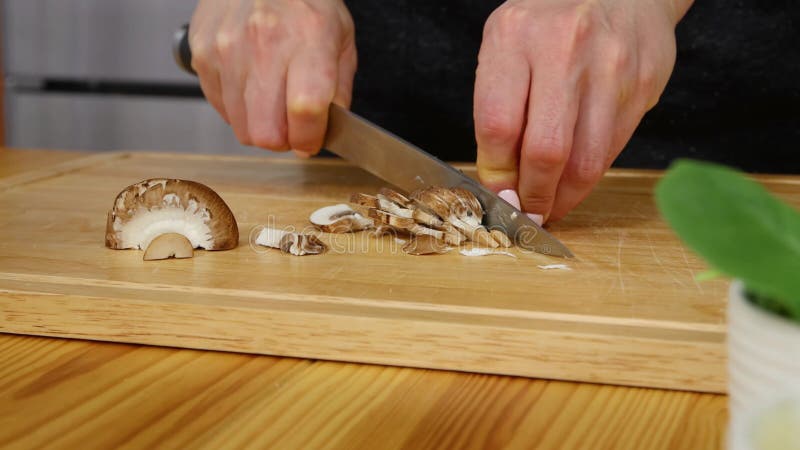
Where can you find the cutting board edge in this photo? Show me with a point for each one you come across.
(492, 349)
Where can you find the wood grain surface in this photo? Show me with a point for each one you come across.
(629, 312)
(79, 394)
(15, 162)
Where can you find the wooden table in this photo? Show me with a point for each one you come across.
(79, 394)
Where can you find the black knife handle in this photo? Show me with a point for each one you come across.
(181, 50)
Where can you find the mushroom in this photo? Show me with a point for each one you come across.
(147, 210)
(451, 215)
(457, 207)
(169, 245)
(501, 238)
(339, 219)
(290, 242)
(425, 245)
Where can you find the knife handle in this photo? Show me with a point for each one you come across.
(181, 50)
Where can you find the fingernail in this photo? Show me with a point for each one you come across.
(510, 196)
(302, 154)
(538, 218)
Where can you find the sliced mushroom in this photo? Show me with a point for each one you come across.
(387, 218)
(151, 208)
(365, 200)
(474, 208)
(425, 245)
(452, 215)
(501, 238)
(457, 207)
(339, 219)
(290, 242)
(395, 196)
(385, 204)
(169, 245)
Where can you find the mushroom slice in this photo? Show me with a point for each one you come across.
(369, 201)
(405, 223)
(169, 245)
(388, 205)
(476, 233)
(501, 238)
(391, 219)
(440, 200)
(151, 208)
(339, 219)
(425, 245)
(395, 196)
(289, 242)
(427, 218)
(474, 208)
(457, 207)
(384, 230)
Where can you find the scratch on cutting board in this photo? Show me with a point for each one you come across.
(620, 240)
(691, 272)
(661, 263)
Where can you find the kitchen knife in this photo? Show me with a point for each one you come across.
(404, 165)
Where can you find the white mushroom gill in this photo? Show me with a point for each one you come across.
(145, 226)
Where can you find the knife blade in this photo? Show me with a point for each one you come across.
(408, 167)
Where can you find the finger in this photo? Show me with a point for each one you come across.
(232, 50)
(204, 54)
(212, 89)
(310, 87)
(348, 62)
(592, 145)
(265, 100)
(502, 81)
(546, 145)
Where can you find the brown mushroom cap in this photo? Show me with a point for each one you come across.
(150, 208)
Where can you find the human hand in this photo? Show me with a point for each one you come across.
(560, 88)
(271, 68)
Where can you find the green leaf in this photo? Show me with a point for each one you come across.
(737, 226)
(708, 275)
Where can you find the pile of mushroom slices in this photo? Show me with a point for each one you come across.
(435, 219)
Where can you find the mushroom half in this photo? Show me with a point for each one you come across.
(165, 217)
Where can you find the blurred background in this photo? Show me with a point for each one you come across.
(99, 75)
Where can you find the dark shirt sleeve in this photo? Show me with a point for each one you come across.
(734, 96)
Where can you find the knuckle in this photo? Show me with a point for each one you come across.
(619, 56)
(495, 124)
(648, 78)
(263, 26)
(548, 152)
(508, 19)
(224, 41)
(536, 202)
(586, 171)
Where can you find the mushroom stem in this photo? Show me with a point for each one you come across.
(169, 245)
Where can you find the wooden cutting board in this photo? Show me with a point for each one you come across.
(627, 312)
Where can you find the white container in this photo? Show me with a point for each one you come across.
(763, 369)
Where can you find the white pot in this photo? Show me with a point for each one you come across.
(763, 369)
